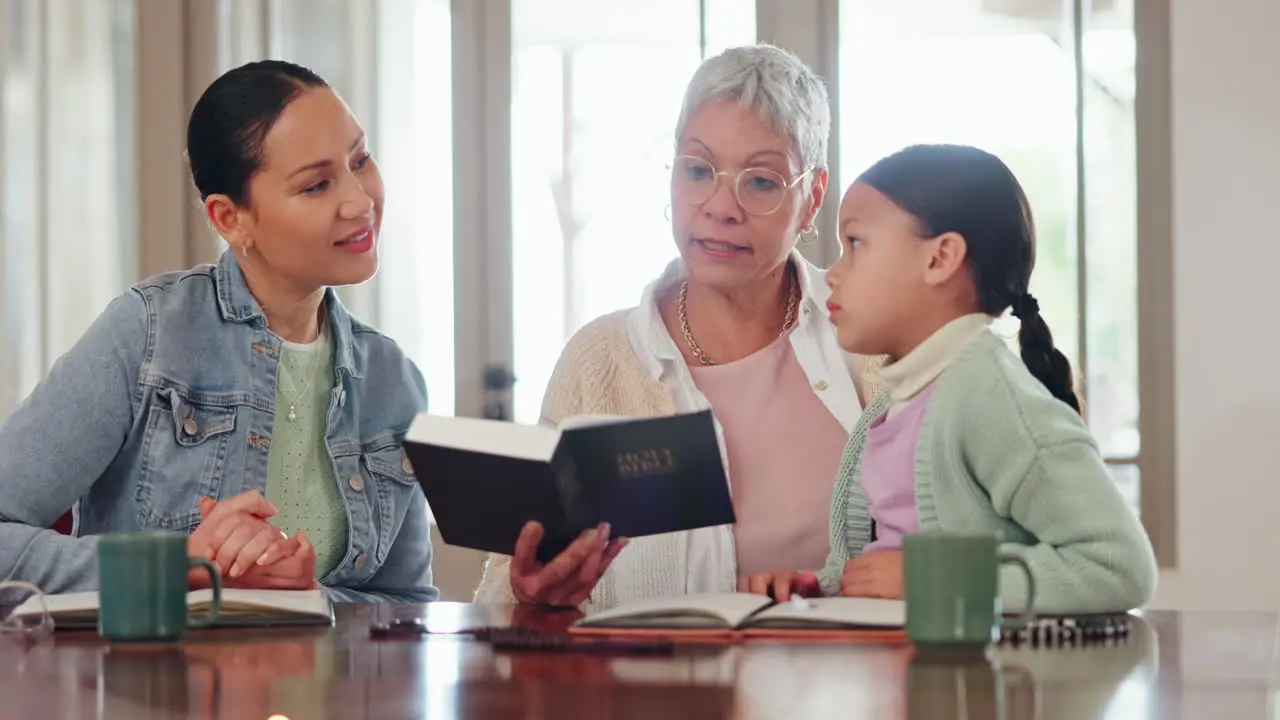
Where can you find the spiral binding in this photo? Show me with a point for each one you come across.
(1069, 632)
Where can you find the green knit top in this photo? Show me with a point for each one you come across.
(996, 452)
(301, 480)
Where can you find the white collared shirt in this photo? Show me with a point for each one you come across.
(833, 374)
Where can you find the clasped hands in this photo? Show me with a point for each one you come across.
(875, 575)
(250, 552)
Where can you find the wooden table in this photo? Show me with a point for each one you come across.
(1193, 665)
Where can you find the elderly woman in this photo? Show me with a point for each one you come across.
(737, 324)
(239, 402)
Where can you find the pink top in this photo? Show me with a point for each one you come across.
(888, 472)
(784, 448)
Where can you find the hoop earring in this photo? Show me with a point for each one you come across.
(244, 251)
(808, 235)
(666, 212)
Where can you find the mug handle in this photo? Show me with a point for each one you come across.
(1029, 612)
(215, 581)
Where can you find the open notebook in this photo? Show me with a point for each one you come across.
(740, 614)
(239, 607)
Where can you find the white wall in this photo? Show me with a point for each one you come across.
(1226, 137)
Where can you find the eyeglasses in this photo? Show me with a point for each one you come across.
(27, 626)
(760, 191)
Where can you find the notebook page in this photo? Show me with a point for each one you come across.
(703, 610)
(236, 601)
(835, 612)
(61, 604)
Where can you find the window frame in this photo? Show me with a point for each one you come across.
(176, 59)
(810, 28)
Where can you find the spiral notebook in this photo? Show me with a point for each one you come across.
(734, 616)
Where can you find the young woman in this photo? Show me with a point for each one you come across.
(238, 401)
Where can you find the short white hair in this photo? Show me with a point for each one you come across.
(790, 97)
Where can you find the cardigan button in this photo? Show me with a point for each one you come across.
(820, 385)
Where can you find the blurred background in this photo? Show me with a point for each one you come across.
(524, 145)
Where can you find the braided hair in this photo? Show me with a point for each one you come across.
(961, 189)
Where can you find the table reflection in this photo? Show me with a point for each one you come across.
(342, 673)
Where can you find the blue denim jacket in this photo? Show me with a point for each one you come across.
(109, 430)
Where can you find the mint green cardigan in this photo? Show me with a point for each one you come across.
(998, 453)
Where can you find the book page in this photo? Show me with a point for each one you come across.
(581, 421)
(834, 612)
(237, 602)
(492, 437)
(60, 604)
(712, 610)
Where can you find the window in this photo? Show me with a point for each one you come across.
(414, 147)
(391, 62)
(596, 92)
(67, 176)
(1012, 77)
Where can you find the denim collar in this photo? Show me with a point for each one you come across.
(237, 304)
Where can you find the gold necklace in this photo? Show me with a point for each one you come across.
(793, 299)
(319, 351)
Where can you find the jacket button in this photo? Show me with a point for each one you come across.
(404, 461)
(356, 482)
(361, 560)
(820, 385)
(191, 427)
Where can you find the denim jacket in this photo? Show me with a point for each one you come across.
(170, 396)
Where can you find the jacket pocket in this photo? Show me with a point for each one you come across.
(388, 468)
(184, 456)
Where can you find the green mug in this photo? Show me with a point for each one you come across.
(952, 586)
(142, 587)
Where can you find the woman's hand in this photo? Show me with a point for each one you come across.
(296, 571)
(236, 536)
(568, 579)
(781, 584)
(876, 574)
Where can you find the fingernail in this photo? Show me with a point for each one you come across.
(604, 530)
(235, 570)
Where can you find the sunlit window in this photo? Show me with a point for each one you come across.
(1003, 76)
(597, 89)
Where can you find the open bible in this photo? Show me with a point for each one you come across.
(732, 615)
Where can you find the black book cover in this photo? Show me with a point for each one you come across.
(643, 477)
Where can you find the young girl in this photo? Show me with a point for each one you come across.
(938, 241)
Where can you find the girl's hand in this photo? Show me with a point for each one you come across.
(876, 574)
(781, 584)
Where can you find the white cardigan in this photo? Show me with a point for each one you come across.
(627, 364)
